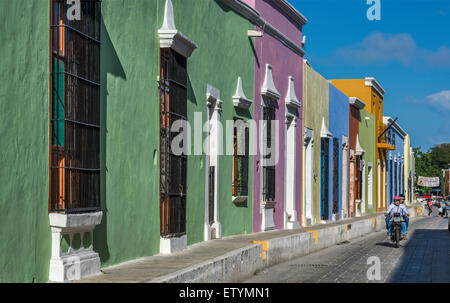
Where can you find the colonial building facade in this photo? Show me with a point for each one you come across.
(151, 125)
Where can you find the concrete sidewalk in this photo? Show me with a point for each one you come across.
(235, 258)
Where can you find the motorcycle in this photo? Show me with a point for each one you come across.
(396, 220)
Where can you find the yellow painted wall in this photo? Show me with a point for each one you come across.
(315, 108)
(407, 167)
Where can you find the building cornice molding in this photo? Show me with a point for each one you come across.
(239, 98)
(370, 81)
(356, 102)
(387, 120)
(213, 98)
(359, 151)
(293, 13)
(253, 16)
(324, 132)
(170, 37)
(268, 88)
(291, 98)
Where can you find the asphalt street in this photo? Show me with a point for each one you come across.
(423, 257)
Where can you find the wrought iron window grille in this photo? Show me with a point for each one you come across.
(75, 108)
(173, 167)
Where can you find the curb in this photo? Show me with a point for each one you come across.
(243, 263)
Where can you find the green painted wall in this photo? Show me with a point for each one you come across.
(224, 53)
(129, 143)
(130, 115)
(24, 133)
(315, 107)
(367, 141)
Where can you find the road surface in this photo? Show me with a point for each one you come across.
(424, 257)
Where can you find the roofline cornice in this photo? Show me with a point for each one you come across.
(356, 102)
(370, 81)
(396, 126)
(291, 12)
(254, 16)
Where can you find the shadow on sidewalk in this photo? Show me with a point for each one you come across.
(426, 258)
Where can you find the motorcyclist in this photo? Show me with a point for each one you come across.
(396, 207)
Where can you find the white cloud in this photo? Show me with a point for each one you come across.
(386, 48)
(440, 58)
(380, 47)
(439, 100)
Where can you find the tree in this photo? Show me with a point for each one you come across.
(431, 163)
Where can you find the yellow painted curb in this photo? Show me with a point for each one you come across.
(315, 235)
(264, 247)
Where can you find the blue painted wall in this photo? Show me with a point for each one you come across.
(339, 127)
(397, 140)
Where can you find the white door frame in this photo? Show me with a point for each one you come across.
(344, 211)
(213, 145)
(290, 218)
(309, 155)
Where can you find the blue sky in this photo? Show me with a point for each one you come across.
(407, 51)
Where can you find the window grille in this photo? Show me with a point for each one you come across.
(240, 159)
(211, 187)
(173, 168)
(335, 176)
(324, 178)
(391, 184)
(75, 108)
(360, 177)
(268, 170)
(395, 178)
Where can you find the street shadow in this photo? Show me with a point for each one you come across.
(425, 259)
(387, 244)
(109, 64)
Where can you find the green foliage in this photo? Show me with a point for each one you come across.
(431, 163)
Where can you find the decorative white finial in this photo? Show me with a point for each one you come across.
(291, 98)
(359, 150)
(268, 89)
(170, 37)
(325, 133)
(169, 20)
(239, 98)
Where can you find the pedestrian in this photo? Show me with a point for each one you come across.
(443, 209)
(430, 209)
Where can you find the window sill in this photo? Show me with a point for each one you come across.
(68, 221)
(239, 200)
(75, 263)
(269, 204)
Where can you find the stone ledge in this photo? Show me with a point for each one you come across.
(239, 264)
(74, 264)
(84, 220)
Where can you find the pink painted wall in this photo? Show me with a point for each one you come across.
(284, 63)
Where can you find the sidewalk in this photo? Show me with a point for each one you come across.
(235, 258)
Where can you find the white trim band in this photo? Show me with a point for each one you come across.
(253, 16)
